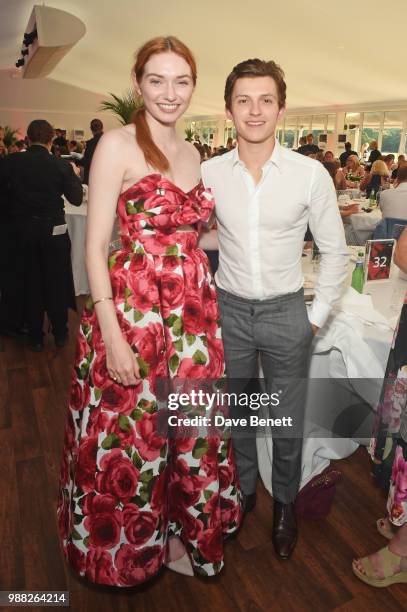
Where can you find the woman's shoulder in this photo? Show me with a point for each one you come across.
(189, 149)
(119, 136)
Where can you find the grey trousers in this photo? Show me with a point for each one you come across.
(279, 332)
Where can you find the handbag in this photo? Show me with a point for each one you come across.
(314, 501)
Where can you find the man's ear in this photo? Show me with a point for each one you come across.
(228, 113)
(281, 112)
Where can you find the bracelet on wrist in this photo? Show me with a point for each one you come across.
(104, 299)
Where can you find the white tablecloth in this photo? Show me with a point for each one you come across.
(364, 221)
(76, 220)
(345, 348)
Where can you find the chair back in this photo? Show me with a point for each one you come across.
(385, 229)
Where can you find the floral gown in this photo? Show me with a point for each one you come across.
(389, 442)
(125, 487)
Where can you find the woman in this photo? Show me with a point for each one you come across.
(336, 174)
(131, 499)
(353, 169)
(389, 453)
(376, 178)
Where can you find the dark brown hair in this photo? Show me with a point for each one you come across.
(40, 131)
(402, 174)
(331, 167)
(96, 125)
(256, 68)
(152, 154)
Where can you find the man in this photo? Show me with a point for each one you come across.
(21, 146)
(347, 153)
(39, 263)
(301, 142)
(265, 196)
(309, 147)
(374, 153)
(393, 202)
(96, 127)
(60, 139)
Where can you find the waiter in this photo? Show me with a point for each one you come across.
(39, 272)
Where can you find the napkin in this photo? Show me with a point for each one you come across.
(360, 306)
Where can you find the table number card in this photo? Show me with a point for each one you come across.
(378, 259)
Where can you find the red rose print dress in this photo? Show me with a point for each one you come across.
(125, 487)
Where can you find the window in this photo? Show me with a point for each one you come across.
(318, 126)
(371, 127)
(331, 123)
(352, 129)
(304, 124)
(290, 133)
(393, 123)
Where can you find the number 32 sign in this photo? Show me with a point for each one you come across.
(378, 259)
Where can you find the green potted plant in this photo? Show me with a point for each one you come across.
(189, 133)
(122, 106)
(9, 136)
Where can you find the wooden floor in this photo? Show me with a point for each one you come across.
(33, 398)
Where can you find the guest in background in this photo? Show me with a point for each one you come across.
(60, 139)
(374, 153)
(96, 127)
(336, 174)
(389, 453)
(364, 152)
(328, 156)
(352, 169)
(376, 178)
(389, 161)
(320, 156)
(401, 160)
(309, 147)
(347, 152)
(21, 146)
(35, 183)
(301, 142)
(229, 144)
(3, 149)
(393, 202)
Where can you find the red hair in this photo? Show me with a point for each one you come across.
(152, 154)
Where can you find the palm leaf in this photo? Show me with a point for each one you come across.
(123, 107)
(9, 136)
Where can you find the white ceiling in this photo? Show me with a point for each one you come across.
(333, 53)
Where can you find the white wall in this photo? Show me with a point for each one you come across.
(64, 106)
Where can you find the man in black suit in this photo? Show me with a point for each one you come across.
(308, 148)
(96, 127)
(347, 153)
(39, 272)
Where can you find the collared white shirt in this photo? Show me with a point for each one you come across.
(261, 227)
(393, 202)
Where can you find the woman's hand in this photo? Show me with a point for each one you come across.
(121, 362)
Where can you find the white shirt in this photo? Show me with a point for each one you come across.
(261, 227)
(393, 202)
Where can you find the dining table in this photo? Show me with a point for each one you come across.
(76, 219)
(347, 365)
